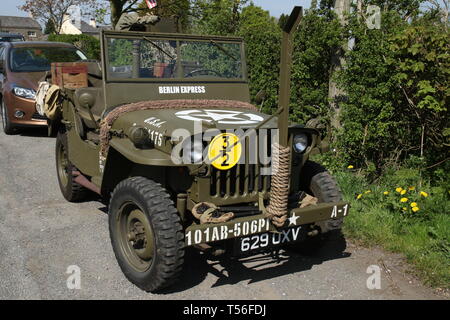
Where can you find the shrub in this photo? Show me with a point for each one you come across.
(396, 81)
(88, 44)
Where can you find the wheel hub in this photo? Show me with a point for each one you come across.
(136, 237)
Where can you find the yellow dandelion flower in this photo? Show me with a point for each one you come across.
(413, 204)
(423, 194)
(399, 189)
(368, 191)
(404, 200)
(415, 209)
(412, 188)
(403, 192)
(350, 167)
(404, 209)
(386, 193)
(359, 196)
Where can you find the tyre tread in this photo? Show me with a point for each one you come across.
(73, 192)
(167, 225)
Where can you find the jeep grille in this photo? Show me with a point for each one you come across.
(244, 179)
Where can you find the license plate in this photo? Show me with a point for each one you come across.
(264, 241)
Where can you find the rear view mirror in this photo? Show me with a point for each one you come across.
(260, 96)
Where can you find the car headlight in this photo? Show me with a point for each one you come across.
(24, 93)
(300, 143)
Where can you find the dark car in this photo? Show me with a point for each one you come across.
(11, 37)
(22, 65)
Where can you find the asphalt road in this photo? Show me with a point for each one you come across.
(41, 235)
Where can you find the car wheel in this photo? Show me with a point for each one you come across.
(146, 234)
(7, 127)
(316, 180)
(71, 190)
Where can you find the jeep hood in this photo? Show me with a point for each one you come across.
(166, 121)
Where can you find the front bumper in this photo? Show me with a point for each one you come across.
(246, 226)
(28, 107)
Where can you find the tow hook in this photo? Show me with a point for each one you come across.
(313, 233)
(214, 251)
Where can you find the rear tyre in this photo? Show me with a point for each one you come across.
(146, 234)
(317, 181)
(71, 190)
(8, 128)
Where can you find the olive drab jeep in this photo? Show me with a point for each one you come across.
(165, 133)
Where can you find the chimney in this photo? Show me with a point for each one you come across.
(93, 23)
(66, 17)
(30, 14)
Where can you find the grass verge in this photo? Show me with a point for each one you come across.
(378, 217)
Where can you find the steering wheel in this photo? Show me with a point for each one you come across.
(191, 74)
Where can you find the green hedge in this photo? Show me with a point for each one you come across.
(88, 44)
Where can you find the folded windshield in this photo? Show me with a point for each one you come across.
(150, 58)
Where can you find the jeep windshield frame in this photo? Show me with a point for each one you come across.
(146, 57)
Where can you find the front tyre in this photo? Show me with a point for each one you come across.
(146, 234)
(8, 128)
(317, 181)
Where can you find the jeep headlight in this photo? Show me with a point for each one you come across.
(195, 152)
(139, 136)
(24, 93)
(300, 143)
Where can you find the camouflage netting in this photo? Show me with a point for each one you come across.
(112, 116)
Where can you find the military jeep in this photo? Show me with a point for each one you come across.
(166, 134)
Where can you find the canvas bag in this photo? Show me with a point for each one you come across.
(52, 105)
(40, 96)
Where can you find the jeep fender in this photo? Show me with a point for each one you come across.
(150, 157)
(125, 160)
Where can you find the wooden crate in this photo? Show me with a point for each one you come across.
(71, 75)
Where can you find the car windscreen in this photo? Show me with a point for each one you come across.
(36, 59)
(11, 39)
(153, 58)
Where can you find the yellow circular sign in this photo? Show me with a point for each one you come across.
(225, 151)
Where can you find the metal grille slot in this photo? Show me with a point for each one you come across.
(244, 178)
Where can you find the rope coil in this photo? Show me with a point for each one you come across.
(277, 210)
(207, 212)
